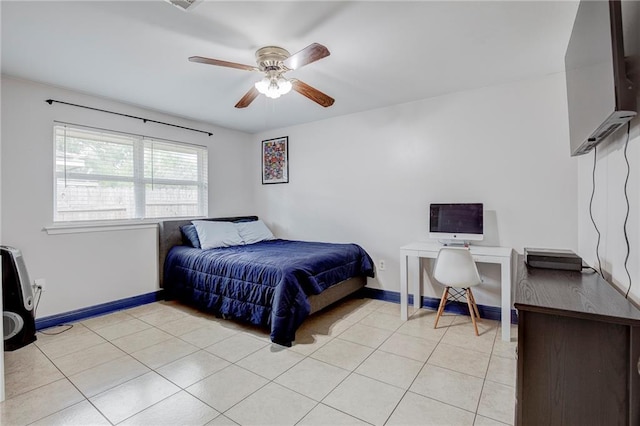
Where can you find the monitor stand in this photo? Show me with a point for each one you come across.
(454, 243)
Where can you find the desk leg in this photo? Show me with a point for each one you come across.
(417, 283)
(505, 278)
(404, 284)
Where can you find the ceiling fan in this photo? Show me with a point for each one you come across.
(274, 62)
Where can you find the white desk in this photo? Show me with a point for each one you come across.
(481, 254)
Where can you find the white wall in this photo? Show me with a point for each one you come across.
(85, 269)
(609, 209)
(369, 177)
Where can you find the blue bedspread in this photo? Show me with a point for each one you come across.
(265, 283)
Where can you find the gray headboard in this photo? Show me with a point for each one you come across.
(170, 235)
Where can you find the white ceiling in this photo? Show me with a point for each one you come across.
(382, 53)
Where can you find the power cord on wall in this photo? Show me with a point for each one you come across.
(626, 218)
(593, 192)
(38, 296)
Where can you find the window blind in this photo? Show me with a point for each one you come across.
(104, 175)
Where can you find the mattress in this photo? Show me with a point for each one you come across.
(265, 283)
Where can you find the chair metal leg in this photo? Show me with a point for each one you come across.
(443, 302)
(471, 310)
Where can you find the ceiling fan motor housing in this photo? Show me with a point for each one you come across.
(270, 58)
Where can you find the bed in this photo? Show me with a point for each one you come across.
(274, 284)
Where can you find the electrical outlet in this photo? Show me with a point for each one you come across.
(381, 265)
(40, 283)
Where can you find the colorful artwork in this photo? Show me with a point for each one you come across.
(275, 160)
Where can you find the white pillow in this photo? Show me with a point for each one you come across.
(217, 234)
(254, 231)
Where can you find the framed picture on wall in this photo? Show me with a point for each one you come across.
(275, 160)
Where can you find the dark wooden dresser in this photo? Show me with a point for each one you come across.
(578, 350)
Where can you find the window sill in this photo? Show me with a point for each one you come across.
(76, 228)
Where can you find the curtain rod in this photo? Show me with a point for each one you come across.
(51, 101)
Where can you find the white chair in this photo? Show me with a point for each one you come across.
(455, 269)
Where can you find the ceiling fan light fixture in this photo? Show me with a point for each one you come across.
(263, 85)
(284, 86)
(273, 87)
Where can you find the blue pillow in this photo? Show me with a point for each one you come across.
(190, 234)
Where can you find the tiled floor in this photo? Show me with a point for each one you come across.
(357, 363)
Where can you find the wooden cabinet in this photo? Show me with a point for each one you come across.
(578, 350)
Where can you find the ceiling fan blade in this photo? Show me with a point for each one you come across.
(220, 63)
(309, 54)
(312, 93)
(248, 98)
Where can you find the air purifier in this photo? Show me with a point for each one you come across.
(19, 328)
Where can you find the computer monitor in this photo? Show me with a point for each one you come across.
(456, 222)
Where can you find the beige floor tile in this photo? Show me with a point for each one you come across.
(323, 415)
(236, 347)
(164, 352)
(373, 304)
(147, 309)
(255, 332)
(24, 375)
(308, 341)
(96, 323)
(266, 407)
(24, 358)
(183, 325)
(353, 304)
(450, 387)
(497, 402)
(227, 387)
(485, 421)
(66, 344)
(312, 378)
(343, 354)
(365, 398)
(108, 375)
(504, 349)
(349, 312)
(421, 323)
(122, 328)
(394, 309)
(326, 325)
(178, 409)
(382, 320)
(56, 333)
(83, 360)
(502, 370)
(133, 396)
(221, 421)
(211, 333)
(462, 334)
(192, 368)
(459, 359)
(270, 361)
(142, 339)
(81, 414)
(391, 369)
(366, 335)
(485, 326)
(408, 346)
(162, 317)
(333, 360)
(415, 409)
(38, 403)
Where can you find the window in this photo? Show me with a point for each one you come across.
(104, 175)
